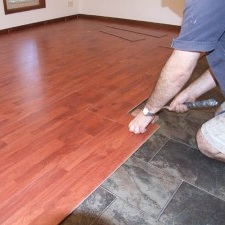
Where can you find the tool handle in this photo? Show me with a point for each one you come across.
(201, 104)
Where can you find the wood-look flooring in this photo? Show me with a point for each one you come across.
(65, 93)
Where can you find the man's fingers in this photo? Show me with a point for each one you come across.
(131, 128)
(137, 129)
(182, 108)
(179, 107)
(143, 130)
(170, 108)
(139, 123)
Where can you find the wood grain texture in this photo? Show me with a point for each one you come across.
(64, 99)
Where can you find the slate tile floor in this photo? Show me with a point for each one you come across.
(166, 182)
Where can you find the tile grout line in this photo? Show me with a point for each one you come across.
(118, 197)
(211, 194)
(181, 142)
(96, 219)
(163, 209)
(158, 149)
(83, 202)
(200, 188)
(182, 178)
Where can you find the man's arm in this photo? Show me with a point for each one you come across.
(173, 77)
(200, 86)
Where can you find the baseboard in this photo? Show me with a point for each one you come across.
(41, 23)
(84, 16)
(129, 21)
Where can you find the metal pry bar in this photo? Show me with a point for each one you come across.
(201, 104)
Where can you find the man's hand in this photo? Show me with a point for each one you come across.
(200, 86)
(139, 123)
(177, 104)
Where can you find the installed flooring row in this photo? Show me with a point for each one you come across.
(66, 90)
(166, 181)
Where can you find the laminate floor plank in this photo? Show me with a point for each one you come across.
(65, 99)
(157, 34)
(122, 34)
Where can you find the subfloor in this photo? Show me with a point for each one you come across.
(166, 182)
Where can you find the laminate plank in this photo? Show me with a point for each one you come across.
(2, 144)
(29, 174)
(73, 182)
(113, 159)
(38, 163)
(11, 208)
(147, 32)
(122, 34)
(92, 123)
(30, 123)
(7, 189)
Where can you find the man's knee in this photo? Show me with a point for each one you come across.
(211, 139)
(203, 146)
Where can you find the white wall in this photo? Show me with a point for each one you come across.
(54, 9)
(157, 11)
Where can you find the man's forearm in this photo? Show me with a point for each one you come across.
(201, 85)
(172, 78)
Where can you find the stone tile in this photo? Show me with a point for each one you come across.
(151, 147)
(90, 209)
(142, 185)
(122, 213)
(192, 206)
(189, 164)
(201, 116)
(178, 127)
